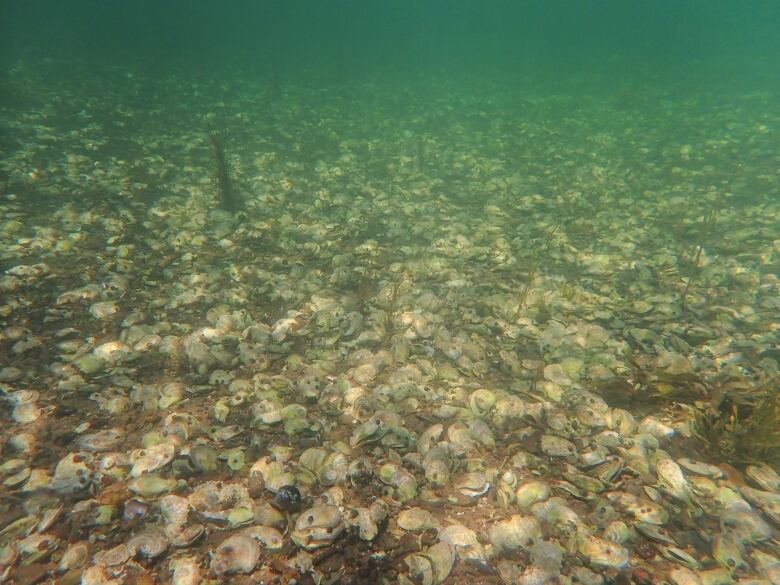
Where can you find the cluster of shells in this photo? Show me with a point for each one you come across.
(386, 367)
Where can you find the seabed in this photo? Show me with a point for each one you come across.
(454, 334)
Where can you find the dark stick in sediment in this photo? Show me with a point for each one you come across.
(227, 196)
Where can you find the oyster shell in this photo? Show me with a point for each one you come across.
(516, 532)
(72, 473)
(151, 459)
(149, 543)
(238, 553)
(465, 543)
(433, 566)
(106, 440)
(317, 527)
(602, 553)
(417, 520)
(185, 571)
(267, 537)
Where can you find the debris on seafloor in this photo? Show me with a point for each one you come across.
(228, 198)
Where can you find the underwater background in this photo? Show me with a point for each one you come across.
(697, 43)
(398, 292)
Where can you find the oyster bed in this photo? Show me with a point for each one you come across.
(448, 339)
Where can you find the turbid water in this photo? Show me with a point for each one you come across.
(389, 293)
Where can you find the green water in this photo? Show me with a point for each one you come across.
(706, 44)
(551, 228)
